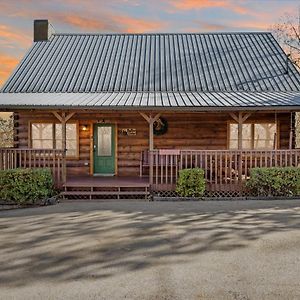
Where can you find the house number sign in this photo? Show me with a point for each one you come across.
(127, 131)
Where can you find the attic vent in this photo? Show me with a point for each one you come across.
(42, 30)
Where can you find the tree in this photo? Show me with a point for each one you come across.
(287, 32)
(297, 129)
(6, 132)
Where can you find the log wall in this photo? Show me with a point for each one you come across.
(199, 131)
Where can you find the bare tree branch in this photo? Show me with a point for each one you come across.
(287, 32)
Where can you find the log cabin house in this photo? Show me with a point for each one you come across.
(121, 114)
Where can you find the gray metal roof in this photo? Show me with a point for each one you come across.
(154, 63)
(150, 100)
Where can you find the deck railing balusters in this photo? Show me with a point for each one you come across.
(12, 158)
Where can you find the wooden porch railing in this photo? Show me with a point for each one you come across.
(12, 158)
(225, 170)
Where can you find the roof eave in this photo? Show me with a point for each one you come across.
(153, 108)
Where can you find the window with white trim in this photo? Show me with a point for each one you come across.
(255, 136)
(49, 136)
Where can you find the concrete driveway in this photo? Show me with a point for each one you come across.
(159, 250)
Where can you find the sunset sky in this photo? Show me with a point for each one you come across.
(16, 19)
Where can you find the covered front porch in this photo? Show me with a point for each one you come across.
(225, 170)
(226, 144)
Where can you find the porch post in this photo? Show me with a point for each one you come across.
(150, 121)
(151, 148)
(64, 118)
(240, 119)
(240, 132)
(292, 124)
(151, 144)
(240, 145)
(64, 146)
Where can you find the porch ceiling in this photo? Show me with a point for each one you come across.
(193, 101)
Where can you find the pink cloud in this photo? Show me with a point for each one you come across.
(204, 26)
(9, 35)
(202, 4)
(8, 63)
(113, 23)
(138, 25)
(10, 40)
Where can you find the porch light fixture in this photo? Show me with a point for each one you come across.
(84, 127)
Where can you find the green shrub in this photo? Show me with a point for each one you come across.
(274, 181)
(26, 186)
(191, 183)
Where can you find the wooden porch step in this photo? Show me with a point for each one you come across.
(99, 193)
(106, 186)
(143, 194)
(80, 182)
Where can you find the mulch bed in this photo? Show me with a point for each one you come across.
(4, 205)
(157, 198)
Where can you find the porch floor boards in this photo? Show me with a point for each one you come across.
(95, 187)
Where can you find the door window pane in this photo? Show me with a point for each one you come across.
(104, 141)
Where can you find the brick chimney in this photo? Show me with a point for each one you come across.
(42, 30)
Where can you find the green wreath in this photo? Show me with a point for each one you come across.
(160, 126)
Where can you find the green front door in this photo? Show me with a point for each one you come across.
(104, 149)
